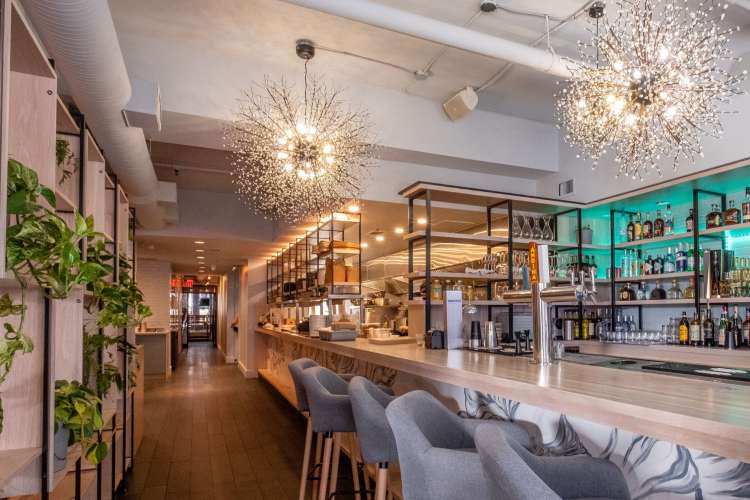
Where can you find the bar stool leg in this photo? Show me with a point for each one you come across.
(318, 458)
(335, 465)
(354, 456)
(326, 463)
(382, 482)
(306, 460)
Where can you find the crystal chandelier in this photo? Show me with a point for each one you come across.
(298, 156)
(650, 85)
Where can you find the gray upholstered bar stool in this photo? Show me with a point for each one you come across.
(518, 475)
(296, 368)
(331, 413)
(374, 434)
(436, 450)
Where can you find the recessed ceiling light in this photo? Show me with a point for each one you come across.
(365, 244)
(199, 242)
(353, 208)
(200, 257)
(380, 238)
(199, 250)
(422, 221)
(399, 230)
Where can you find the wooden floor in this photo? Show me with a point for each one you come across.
(212, 434)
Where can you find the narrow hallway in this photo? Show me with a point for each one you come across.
(212, 434)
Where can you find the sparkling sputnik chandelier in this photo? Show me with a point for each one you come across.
(298, 156)
(650, 84)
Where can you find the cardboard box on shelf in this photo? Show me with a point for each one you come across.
(335, 271)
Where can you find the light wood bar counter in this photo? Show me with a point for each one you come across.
(712, 416)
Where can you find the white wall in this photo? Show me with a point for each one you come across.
(252, 300)
(599, 183)
(153, 279)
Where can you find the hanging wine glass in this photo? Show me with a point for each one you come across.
(536, 231)
(526, 231)
(547, 233)
(517, 226)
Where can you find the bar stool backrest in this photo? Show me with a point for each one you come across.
(510, 475)
(296, 368)
(374, 434)
(328, 398)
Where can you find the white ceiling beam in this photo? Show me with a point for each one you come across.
(426, 28)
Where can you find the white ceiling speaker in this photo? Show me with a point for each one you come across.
(461, 104)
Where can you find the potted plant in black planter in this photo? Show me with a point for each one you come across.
(77, 410)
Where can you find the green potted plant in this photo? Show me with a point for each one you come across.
(77, 410)
(65, 160)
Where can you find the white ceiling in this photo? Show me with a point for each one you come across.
(262, 33)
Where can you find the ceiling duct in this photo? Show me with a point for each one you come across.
(80, 36)
(408, 23)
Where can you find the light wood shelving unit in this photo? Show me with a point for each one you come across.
(32, 118)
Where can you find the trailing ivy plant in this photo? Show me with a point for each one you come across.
(13, 340)
(77, 409)
(65, 160)
(106, 372)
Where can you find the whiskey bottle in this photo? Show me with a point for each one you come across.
(658, 225)
(746, 206)
(648, 227)
(637, 227)
(626, 293)
(713, 219)
(709, 339)
(683, 330)
(731, 214)
(674, 293)
(631, 229)
(658, 292)
(695, 330)
(746, 328)
(689, 221)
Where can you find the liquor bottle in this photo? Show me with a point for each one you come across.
(731, 214)
(648, 265)
(689, 260)
(680, 259)
(658, 225)
(713, 219)
(631, 229)
(640, 294)
(722, 340)
(684, 330)
(669, 262)
(635, 264)
(737, 330)
(584, 327)
(668, 221)
(658, 292)
(709, 339)
(689, 221)
(695, 330)
(638, 227)
(674, 293)
(648, 227)
(627, 293)
(658, 265)
(746, 328)
(689, 292)
(746, 206)
(626, 264)
(734, 330)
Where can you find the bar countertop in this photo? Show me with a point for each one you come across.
(708, 415)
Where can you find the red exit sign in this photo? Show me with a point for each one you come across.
(186, 283)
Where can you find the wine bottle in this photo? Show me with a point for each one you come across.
(737, 330)
(708, 329)
(746, 328)
(684, 329)
(695, 330)
(658, 225)
(722, 340)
